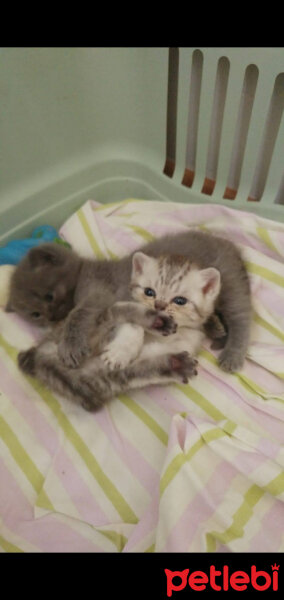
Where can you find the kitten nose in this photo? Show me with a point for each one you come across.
(160, 305)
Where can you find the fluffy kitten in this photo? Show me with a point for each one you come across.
(43, 285)
(95, 284)
(127, 347)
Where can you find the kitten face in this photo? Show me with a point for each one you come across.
(174, 285)
(42, 287)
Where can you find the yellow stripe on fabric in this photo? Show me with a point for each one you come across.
(251, 386)
(89, 234)
(206, 354)
(247, 383)
(210, 543)
(117, 539)
(177, 462)
(8, 547)
(240, 518)
(127, 215)
(142, 232)
(230, 427)
(265, 237)
(276, 486)
(22, 458)
(260, 321)
(117, 500)
(202, 227)
(180, 459)
(106, 205)
(44, 502)
(213, 434)
(265, 273)
(201, 401)
(112, 493)
(245, 512)
(112, 255)
(139, 412)
(10, 350)
(151, 548)
(118, 204)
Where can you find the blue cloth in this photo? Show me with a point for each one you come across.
(14, 251)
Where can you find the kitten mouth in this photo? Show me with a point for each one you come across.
(165, 324)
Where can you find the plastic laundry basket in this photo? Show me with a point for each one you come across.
(191, 125)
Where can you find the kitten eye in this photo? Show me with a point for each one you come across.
(48, 297)
(180, 300)
(35, 315)
(149, 292)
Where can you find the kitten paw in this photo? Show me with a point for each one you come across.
(183, 365)
(219, 344)
(88, 405)
(26, 361)
(91, 397)
(115, 358)
(94, 404)
(231, 363)
(162, 323)
(214, 328)
(72, 356)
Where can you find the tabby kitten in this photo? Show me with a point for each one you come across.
(92, 285)
(173, 298)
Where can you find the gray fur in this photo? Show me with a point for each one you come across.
(93, 384)
(46, 269)
(100, 386)
(95, 284)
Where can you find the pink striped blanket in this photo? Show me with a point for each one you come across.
(196, 467)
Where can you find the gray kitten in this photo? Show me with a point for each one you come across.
(125, 340)
(93, 285)
(43, 285)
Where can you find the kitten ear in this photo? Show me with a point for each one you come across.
(139, 262)
(45, 255)
(211, 282)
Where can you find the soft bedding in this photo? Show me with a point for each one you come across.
(180, 468)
